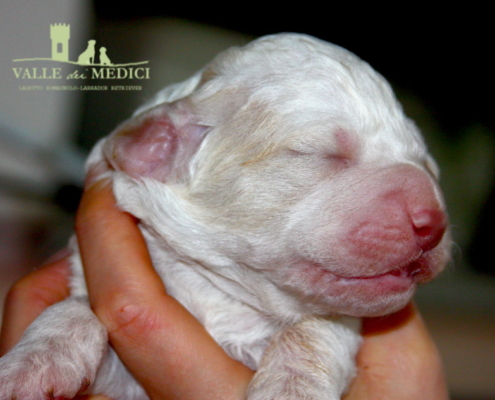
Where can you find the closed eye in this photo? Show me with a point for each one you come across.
(337, 162)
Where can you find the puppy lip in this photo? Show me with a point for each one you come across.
(397, 279)
(413, 271)
(394, 281)
(416, 271)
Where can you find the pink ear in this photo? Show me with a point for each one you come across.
(158, 143)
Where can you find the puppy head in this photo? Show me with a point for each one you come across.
(288, 165)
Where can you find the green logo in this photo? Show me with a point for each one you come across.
(60, 37)
(95, 60)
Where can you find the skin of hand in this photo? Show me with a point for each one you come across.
(168, 351)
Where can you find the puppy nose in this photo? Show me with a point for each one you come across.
(429, 226)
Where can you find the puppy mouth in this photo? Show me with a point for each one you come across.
(403, 277)
(416, 270)
(397, 279)
(362, 294)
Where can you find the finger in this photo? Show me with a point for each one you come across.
(113, 250)
(166, 348)
(30, 296)
(398, 359)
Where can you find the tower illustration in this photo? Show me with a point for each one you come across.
(60, 35)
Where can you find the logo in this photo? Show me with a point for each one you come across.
(93, 63)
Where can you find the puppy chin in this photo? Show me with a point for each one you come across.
(363, 306)
(378, 307)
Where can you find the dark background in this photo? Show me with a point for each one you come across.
(443, 54)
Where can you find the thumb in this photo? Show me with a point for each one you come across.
(399, 360)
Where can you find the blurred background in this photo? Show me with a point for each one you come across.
(437, 61)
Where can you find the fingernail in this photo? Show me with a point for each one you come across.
(98, 172)
(59, 255)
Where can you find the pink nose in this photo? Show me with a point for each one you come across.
(429, 226)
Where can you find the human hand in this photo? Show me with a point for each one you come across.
(398, 360)
(168, 351)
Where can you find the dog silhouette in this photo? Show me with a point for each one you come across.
(104, 60)
(88, 55)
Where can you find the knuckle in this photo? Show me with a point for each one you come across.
(42, 288)
(127, 318)
(26, 291)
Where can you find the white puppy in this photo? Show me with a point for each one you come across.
(281, 191)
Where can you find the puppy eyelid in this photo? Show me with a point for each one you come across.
(338, 160)
(342, 161)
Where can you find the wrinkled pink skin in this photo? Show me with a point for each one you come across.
(394, 238)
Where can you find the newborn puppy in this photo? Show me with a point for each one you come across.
(281, 191)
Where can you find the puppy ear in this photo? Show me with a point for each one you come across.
(158, 143)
